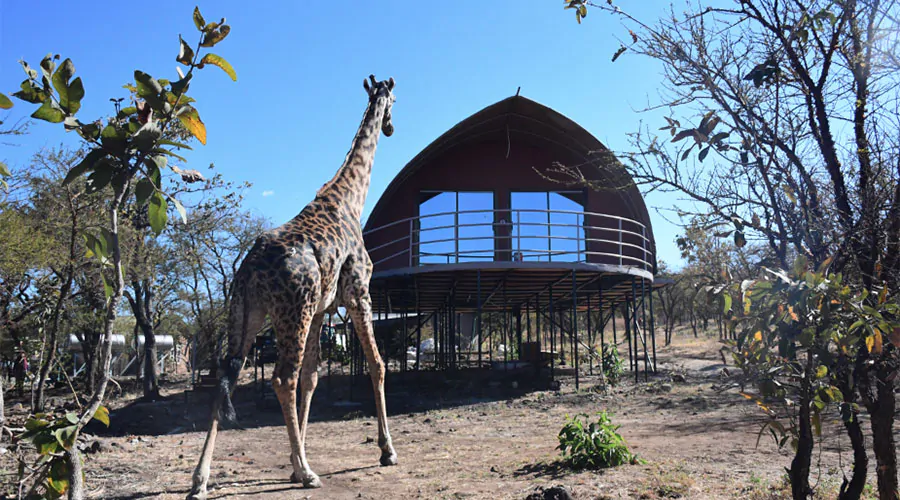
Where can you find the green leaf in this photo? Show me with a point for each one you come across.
(102, 174)
(146, 137)
(191, 121)
(107, 289)
(49, 111)
(31, 93)
(126, 112)
(727, 304)
(147, 86)
(199, 22)
(58, 476)
(87, 163)
(5, 102)
(143, 190)
(157, 212)
(166, 152)
(181, 86)
(65, 436)
(821, 371)
(113, 139)
(61, 78)
(214, 36)
(220, 62)
(185, 53)
(96, 247)
(167, 142)
(102, 414)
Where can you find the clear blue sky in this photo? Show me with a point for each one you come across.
(287, 122)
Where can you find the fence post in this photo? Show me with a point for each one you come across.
(620, 242)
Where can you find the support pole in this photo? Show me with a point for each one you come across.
(418, 329)
(435, 335)
(528, 321)
(575, 324)
(552, 338)
(478, 316)
(634, 327)
(652, 329)
(643, 329)
(590, 333)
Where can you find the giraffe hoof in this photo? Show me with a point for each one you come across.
(389, 458)
(197, 495)
(312, 481)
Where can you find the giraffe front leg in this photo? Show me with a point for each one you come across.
(362, 323)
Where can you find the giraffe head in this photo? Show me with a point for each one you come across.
(382, 89)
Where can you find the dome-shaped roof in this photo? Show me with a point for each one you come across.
(519, 116)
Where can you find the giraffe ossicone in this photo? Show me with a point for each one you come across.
(297, 273)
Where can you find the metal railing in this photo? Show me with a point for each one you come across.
(434, 239)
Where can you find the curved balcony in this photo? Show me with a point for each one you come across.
(511, 236)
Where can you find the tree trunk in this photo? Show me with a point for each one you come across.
(882, 416)
(2, 407)
(800, 465)
(53, 336)
(852, 489)
(76, 473)
(151, 377)
(142, 306)
(76, 488)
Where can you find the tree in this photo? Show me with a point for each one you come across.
(128, 153)
(62, 212)
(757, 90)
(210, 249)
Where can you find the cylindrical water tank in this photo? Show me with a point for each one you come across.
(163, 343)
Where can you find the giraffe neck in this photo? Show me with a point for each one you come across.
(350, 184)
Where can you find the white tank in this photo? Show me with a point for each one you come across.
(163, 343)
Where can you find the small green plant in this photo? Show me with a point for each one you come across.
(613, 368)
(594, 445)
(52, 436)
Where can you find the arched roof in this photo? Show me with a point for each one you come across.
(519, 116)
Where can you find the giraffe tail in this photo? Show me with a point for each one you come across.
(226, 385)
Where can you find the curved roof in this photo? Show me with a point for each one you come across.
(522, 116)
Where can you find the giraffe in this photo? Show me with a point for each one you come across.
(296, 274)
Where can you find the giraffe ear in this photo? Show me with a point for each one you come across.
(391, 83)
(366, 85)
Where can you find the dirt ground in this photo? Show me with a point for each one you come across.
(459, 438)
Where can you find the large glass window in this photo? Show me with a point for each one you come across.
(456, 227)
(547, 226)
(476, 231)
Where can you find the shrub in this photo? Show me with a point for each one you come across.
(597, 445)
(613, 368)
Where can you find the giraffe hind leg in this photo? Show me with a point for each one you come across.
(292, 337)
(254, 320)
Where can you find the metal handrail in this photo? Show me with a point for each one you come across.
(412, 242)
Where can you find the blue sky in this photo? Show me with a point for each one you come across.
(287, 122)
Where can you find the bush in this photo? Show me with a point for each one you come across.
(613, 368)
(597, 445)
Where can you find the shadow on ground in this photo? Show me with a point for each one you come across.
(338, 397)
